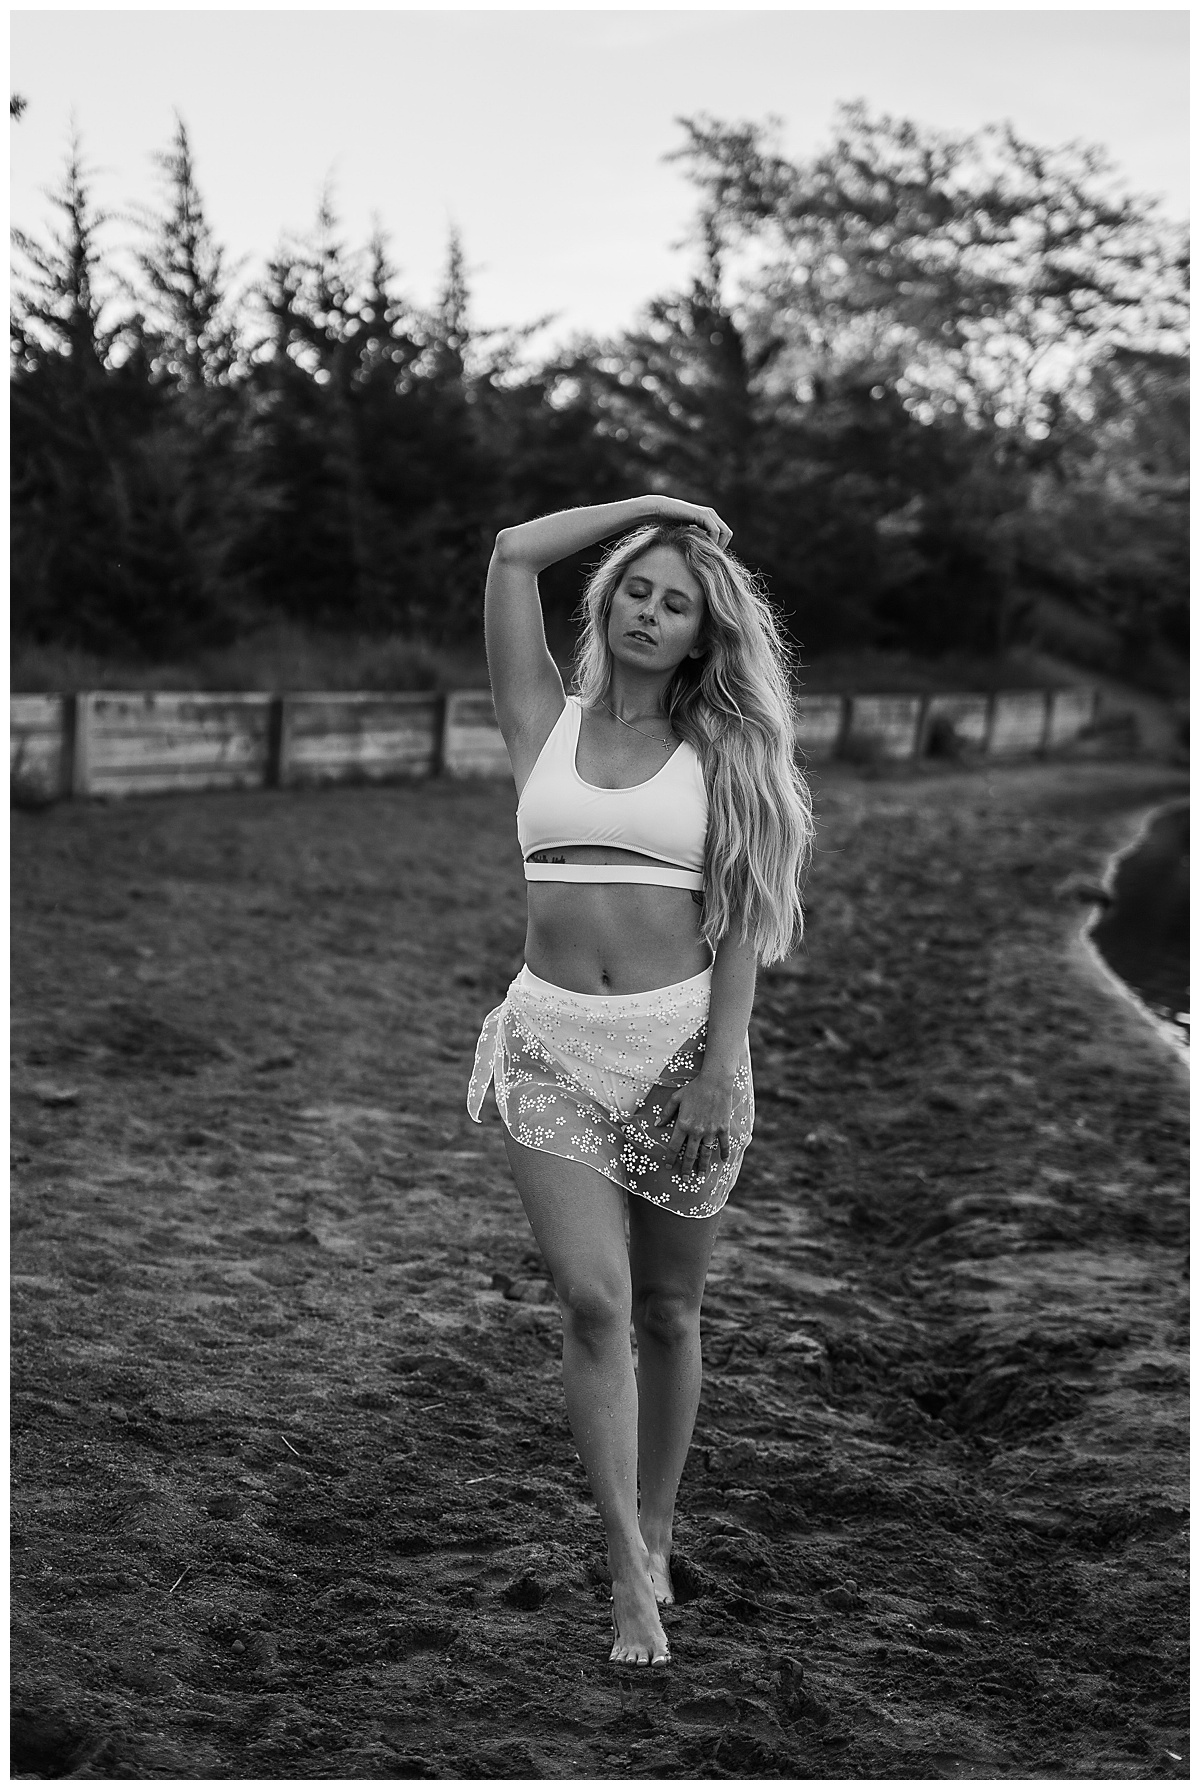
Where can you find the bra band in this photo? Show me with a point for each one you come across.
(664, 875)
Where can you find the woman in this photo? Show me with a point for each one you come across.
(664, 829)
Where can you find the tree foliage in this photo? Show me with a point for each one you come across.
(936, 383)
(980, 273)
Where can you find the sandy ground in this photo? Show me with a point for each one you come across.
(295, 1495)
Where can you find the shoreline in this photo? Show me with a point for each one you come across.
(1111, 980)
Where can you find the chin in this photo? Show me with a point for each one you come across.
(634, 659)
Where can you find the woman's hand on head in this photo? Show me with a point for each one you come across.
(698, 515)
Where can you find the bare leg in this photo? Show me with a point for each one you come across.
(578, 1218)
(669, 1260)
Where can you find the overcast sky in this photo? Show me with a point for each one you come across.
(541, 134)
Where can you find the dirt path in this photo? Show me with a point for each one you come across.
(295, 1495)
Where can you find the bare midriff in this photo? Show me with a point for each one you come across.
(611, 938)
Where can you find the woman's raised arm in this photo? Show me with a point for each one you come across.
(526, 687)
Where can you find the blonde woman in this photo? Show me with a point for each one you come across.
(664, 829)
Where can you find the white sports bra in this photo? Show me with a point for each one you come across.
(665, 818)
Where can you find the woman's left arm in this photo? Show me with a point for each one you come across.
(702, 1108)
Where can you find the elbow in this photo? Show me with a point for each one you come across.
(513, 547)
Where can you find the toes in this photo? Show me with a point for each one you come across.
(626, 1654)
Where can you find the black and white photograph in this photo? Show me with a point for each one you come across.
(599, 894)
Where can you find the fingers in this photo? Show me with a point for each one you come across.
(695, 1152)
(701, 516)
(718, 530)
(677, 1144)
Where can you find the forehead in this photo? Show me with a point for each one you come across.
(667, 567)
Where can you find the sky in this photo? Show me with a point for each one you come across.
(541, 135)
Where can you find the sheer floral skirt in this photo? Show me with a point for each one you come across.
(588, 1076)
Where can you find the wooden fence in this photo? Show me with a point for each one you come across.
(106, 743)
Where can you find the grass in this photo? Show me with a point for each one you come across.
(874, 671)
(286, 656)
(279, 656)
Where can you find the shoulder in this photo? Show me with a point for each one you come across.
(688, 753)
(691, 764)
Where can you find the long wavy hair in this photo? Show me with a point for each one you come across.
(733, 704)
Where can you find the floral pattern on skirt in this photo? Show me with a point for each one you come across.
(588, 1076)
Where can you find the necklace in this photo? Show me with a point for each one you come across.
(641, 730)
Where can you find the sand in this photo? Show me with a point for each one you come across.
(294, 1491)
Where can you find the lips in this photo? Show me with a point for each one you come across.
(639, 634)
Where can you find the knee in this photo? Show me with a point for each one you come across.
(593, 1310)
(666, 1316)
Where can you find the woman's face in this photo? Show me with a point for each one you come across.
(657, 613)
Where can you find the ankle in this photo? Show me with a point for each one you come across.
(657, 1536)
(628, 1559)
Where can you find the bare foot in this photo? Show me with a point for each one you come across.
(660, 1577)
(638, 1638)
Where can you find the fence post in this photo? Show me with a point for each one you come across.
(989, 723)
(273, 773)
(440, 714)
(1047, 714)
(843, 732)
(66, 744)
(81, 727)
(918, 750)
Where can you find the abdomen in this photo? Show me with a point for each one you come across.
(613, 938)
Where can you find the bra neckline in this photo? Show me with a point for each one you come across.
(606, 789)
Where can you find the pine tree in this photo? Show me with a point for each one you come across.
(132, 495)
(72, 510)
(189, 326)
(449, 328)
(337, 375)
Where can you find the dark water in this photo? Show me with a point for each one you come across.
(1143, 936)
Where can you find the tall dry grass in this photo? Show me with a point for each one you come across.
(287, 656)
(280, 656)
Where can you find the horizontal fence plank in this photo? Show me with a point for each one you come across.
(344, 748)
(342, 757)
(174, 780)
(35, 714)
(113, 753)
(320, 712)
(118, 711)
